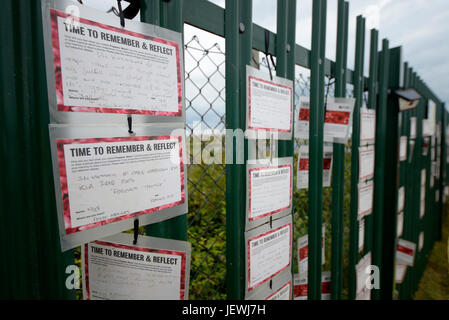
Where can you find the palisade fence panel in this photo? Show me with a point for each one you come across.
(27, 196)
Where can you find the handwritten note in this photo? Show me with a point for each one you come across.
(114, 271)
(104, 180)
(106, 69)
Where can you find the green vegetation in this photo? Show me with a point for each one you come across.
(434, 284)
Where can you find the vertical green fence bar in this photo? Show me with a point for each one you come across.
(285, 63)
(412, 176)
(442, 171)
(316, 149)
(291, 41)
(234, 172)
(338, 166)
(358, 95)
(281, 52)
(390, 180)
(170, 17)
(35, 265)
(239, 33)
(26, 211)
(372, 104)
(379, 161)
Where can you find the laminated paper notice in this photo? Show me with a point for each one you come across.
(366, 163)
(269, 104)
(400, 225)
(401, 199)
(326, 285)
(367, 126)
(422, 204)
(302, 123)
(100, 68)
(337, 119)
(284, 293)
(363, 272)
(302, 174)
(365, 294)
(303, 251)
(400, 271)
(405, 252)
(421, 241)
(425, 146)
(268, 253)
(269, 190)
(403, 149)
(365, 198)
(300, 287)
(361, 234)
(104, 181)
(280, 287)
(153, 269)
(413, 127)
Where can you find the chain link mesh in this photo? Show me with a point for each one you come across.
(205, 114)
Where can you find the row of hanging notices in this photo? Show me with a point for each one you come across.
(366, 170)
(117, 135)
(300, 289)
(405, 256)
(269, 227)
(280, 285)
(365, 198)
(269, 230)
(336, 129)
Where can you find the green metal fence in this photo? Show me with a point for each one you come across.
(217, 193)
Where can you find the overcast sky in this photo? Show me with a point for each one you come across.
(420, 26)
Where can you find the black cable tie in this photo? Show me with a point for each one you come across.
(329, 83)
(271, 284)
(132, 9)
(136, 231)
(80, 1)
(267, 47)
(130, 124)
(271, 222)
(121, 15)
(272, 61)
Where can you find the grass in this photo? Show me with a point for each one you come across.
(434, 284)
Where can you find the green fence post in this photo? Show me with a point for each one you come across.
(291, 40)
(238, 54)
(52, 262)
(167, 14)
(379, 173)
(390, 180)
(285, 59)
(358, 95)
(372, 104)
(316, 148)
(338, 166)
